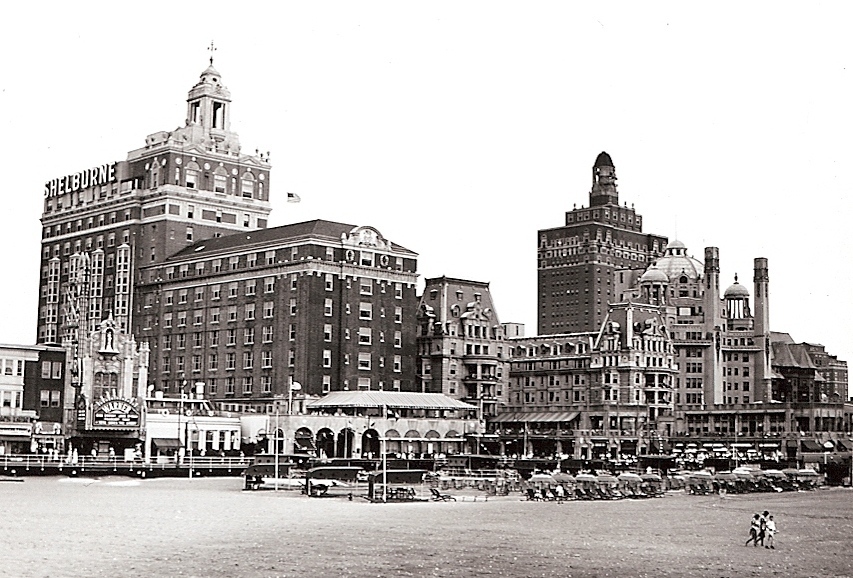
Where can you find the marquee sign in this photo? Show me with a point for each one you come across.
(93, 177)
(115, 413)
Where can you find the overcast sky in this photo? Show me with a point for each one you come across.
(460, 129)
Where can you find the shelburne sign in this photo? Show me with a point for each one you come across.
(93, 177)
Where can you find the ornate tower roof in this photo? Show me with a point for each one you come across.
(603, 182)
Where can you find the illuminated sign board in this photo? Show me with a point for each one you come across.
(111, 413)
(93, 177)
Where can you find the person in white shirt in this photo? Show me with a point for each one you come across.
(771, 531)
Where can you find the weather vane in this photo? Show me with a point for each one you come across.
(212, 49)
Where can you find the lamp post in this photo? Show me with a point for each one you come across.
(180, 413)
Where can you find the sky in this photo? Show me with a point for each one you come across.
(460, 129)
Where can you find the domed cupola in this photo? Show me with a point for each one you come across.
(653, 284)
(677, 264)
(737, 301)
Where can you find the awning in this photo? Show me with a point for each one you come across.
(811, 446)
(13, 438)
(167, 443)
(537, 417)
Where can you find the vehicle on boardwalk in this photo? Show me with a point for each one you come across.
(398, 486)
(330, 481)
(268, 471)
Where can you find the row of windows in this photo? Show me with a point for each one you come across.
(83, 245)
(79, 225)
(179, 340)
(252, 260)
(228, 386)
(197, 363)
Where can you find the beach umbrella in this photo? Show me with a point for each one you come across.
(651, 478)
(542, 479)
(607, 479)
(585, 478)
(778, 474)
(563, 478)
(725, 476)
(630, 477)
(701, 474)
(807, 473)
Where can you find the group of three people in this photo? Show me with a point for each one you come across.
(761, 527)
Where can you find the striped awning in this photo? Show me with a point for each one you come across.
(536, 417)
(389, 399)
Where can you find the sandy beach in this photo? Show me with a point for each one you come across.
(68, 527)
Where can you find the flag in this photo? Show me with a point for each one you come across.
(293, 198)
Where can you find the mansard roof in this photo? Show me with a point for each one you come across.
(318, 229)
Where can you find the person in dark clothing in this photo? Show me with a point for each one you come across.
(762, 528)
(754, 525)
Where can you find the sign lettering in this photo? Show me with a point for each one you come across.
(93, 177)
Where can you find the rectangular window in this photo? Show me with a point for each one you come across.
(364, 336)
(269, 307)
(230, 360)
(248, 359)
(214, 315)
(292, 332)
(266, 359)
(327, 332)
(231, 337)
(266, 383)
(268, 333)
(250, 311)
(327, 383)
(327, 308)
(398, 290)
(250, 287)
(182, 296)
(232, 313)
(330, 282)
(398, 339)
(365, 311)
(269, 284)
(214, 338)
(232, 290)
(212, 362)
(247, 384)
(248, 335)
(398, 315)
(365, 286)
(269, 257)
(327, 358)
(215, 292)
(398, 363)
(364, 360)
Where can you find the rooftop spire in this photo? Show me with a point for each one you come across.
(211, 49)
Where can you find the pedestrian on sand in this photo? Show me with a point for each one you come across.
(771, 531)
(754, 524)
(762, 527)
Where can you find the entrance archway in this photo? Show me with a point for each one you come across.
(370, 446)
(325, 443)
(303, 441)
(345, 443)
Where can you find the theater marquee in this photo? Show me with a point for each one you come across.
(115, 413)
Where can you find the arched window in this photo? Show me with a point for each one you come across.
(191, 175)
(247, 185)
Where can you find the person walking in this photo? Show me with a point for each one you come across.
(771, 531)
(762, 527)
(754, 524)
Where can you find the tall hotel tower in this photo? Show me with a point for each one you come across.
(101, 225)
(581, 263)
